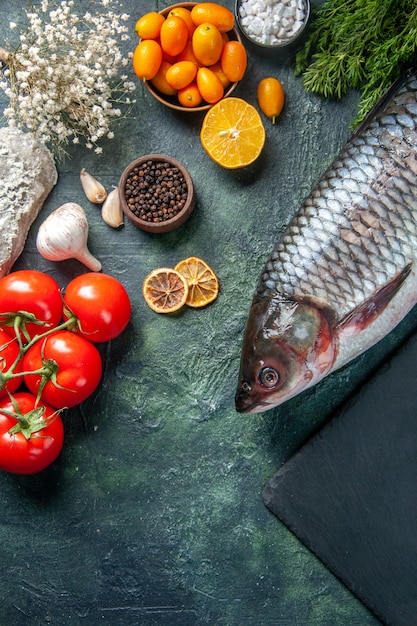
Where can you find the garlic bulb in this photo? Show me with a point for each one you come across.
(111, 211)
(94, 190)
(63, 235)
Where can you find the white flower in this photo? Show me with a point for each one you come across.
(12, 25)
(65, 83)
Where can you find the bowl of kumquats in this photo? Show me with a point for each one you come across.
(190, 55)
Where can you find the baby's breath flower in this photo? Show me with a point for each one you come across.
(61, 81)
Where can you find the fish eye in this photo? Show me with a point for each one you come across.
(268, 377)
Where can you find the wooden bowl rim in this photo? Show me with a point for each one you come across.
(177, 220)
(171, 103)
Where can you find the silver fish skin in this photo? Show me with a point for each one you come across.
(343, 274)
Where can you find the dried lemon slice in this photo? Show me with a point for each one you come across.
(203, 286)
(165, 290)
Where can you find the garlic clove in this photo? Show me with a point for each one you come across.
(94, 190)
(111, 211)
(63, 235)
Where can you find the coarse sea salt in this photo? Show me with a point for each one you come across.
(272, 22)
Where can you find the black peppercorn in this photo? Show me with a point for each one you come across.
(155, 192)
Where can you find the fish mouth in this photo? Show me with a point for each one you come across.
(242, 405)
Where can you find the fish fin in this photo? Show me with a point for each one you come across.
(368, 311)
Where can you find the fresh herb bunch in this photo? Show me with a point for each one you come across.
(358, 44)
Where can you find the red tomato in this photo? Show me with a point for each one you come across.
(40, 442)
(9, 351)
(34, 292)
(101, 305)
(76, 363)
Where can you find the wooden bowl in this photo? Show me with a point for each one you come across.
(135, 182)
(172, 101)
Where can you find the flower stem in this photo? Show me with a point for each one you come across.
(5, 55)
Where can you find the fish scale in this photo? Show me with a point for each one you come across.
(327, 218)
(343, 274)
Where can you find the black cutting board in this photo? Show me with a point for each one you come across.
(350, 493)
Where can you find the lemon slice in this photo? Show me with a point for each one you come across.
(165, 290)
(203, 286)
(232, 133)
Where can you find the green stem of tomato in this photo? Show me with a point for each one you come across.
(69, 322)
(19, 326)
(10, 373)
(42, 371)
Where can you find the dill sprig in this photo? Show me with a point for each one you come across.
(358, 44)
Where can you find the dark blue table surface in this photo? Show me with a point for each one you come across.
(153, 513)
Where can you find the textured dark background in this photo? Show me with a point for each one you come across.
(153, 513)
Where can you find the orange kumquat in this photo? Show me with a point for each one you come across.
(271, 97)
(159, 81)
(149, 25)
(181, 74)
(147, 59)
(173, 35)
(234, 60)
(214, 13)
(209, 85)
(184, 14)
(207, 44)
(190, 96)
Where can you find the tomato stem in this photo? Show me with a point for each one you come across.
(19, 325)
(30, 422)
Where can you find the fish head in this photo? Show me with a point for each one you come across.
(287, 347)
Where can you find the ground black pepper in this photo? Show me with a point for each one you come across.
(155, 192)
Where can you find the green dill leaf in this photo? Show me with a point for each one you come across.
(358, 44)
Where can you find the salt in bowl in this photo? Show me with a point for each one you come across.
(272, 27)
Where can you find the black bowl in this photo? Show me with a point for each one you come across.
(281, 47)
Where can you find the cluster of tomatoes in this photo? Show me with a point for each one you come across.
(188, 53)
(48, 357)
